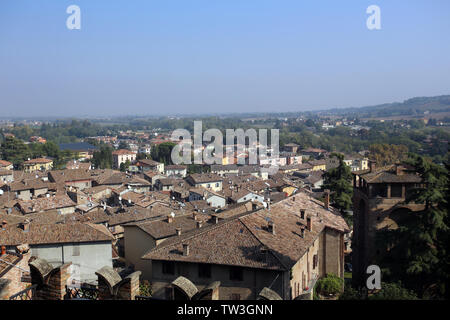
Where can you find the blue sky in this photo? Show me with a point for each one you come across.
(194, 56)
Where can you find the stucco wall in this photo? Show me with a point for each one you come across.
(136, 244)
(86, 258)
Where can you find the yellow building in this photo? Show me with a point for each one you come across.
(39, 164)
(289, 190)
(318, 165)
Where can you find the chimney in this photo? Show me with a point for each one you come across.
(194, 215)
(398, 169)
(185, 249)
(302, 232)
(308, 223)
(216, 219)
(327, 199)
(372, 165)
(199, 224)
(271, 227)
(178, 230)
(25, 226)
(3, 252)
(302, 213)
(169, 218)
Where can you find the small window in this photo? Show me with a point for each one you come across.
(168, 267)
(217, 185)
(75, 250)
(396, 190)
(315, 261)
(236, 274)
(204, 271)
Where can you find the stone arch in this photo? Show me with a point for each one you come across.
(40, 269)
(210, 292)
(110, 277)
(183, 289)
(268, 294)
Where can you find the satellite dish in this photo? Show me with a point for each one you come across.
(172, 215)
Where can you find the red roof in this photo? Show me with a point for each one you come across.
(123, 151)
(38, 160)
(4, 163)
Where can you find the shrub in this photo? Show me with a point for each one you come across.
(393, 291)
(145, 288)
(329, 285)
(350, 294)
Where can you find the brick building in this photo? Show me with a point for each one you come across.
(378, 202)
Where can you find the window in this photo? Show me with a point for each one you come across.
(236, 274)
(303, 281)
(208, 186)
(168, 267)
(217, 184)
(204, 271)
(379, 190)
(184, 268)
(396, 191)
(315, 261)
(75, 250)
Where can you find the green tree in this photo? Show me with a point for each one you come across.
(15, 151)
(141, 156)
(385, 154)
(420, 244)
(163, 152)
(329, 285)
(393, 291)
(339, 181)
(125, 165)
(102, 159)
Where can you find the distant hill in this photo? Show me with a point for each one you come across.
(411, 107)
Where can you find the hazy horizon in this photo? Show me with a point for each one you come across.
(201, 57)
